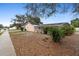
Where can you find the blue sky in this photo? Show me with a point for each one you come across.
(8, 11)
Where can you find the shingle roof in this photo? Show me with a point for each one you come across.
(53, 24)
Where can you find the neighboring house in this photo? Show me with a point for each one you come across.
(38, 28)
(2, 30)
(14, 27)
(77, 29)
(54, 24)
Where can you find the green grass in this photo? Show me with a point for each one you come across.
(16, 31)
(0, 33)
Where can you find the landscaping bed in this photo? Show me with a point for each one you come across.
(34, 44)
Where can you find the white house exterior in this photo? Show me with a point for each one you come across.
(12, 28)
(77, 29)
(1, 30)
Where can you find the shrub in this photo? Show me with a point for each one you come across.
(68, 29)
(56, 34)
(25, 30)
(21, 29)
(62, 32)
(45, 30)
(75, 22)
(49, 30)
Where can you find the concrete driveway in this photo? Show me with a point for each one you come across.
(6, 46)
(76, 32)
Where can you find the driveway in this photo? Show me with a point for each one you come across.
(76, 32)
(6, 46)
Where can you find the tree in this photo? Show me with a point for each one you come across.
(75, 22)
(20, 20)
(1, 26)
(39, 9)
(34, 20)
(48, 9)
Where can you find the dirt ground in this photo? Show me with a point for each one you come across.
(34, 44)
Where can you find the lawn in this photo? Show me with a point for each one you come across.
(0, 33)
(35, 44)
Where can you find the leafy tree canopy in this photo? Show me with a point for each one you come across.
(34, 20)
(23, 19)
(75, 22)
(1, 26)
(48, 9)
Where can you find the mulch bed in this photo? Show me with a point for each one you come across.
(35, 44)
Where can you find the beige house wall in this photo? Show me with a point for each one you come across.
(30, 27)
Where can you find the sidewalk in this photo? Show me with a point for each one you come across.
(6, 46)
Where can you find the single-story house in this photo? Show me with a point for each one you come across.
(12, 28)
(1, 29)
(77, 29)
(37, 28)
(33, 28)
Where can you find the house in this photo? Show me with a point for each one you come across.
(12, 28)
(77, 29)
(38, 28)
(1, 29)
(54, 24)
(33, 28)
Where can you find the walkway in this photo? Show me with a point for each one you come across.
(6, 46)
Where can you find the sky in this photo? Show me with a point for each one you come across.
(9, 10)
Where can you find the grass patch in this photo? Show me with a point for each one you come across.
(16, 32)
(1, 33)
